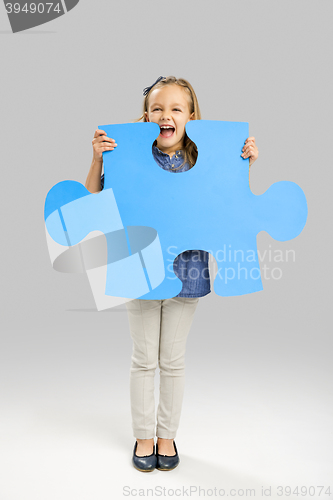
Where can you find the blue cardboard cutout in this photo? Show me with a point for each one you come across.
(210, 207)
(132, 255)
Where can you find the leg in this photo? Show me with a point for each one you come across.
(176, 320)
(144, 320)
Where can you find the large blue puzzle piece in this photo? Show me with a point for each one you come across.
(132, 255)
(210, 207)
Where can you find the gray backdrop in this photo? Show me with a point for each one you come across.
(258, 406)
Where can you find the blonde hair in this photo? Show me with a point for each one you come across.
(190, 149)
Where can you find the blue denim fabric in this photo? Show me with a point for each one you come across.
(191, 267)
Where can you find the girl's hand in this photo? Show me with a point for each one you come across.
(101, 142)
(250, 150)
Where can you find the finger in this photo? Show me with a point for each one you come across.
(99, 132)
(105, 148)
(250, 148)
(251, 153)
(249, 143)
(250, 139)
(248, 151)
(103, 138)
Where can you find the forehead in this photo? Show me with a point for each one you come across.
(169, 94)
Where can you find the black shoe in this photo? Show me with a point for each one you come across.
(165, 462)
(146, 463)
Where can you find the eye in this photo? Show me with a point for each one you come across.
(156, 109)
(177, 109)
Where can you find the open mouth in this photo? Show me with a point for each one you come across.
(167, 130)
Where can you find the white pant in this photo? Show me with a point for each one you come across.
(159, 330)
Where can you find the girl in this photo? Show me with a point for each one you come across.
(159, 328)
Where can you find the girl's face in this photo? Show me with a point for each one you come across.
(168, 106)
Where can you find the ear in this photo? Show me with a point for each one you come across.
(192, 116)
(146, 116)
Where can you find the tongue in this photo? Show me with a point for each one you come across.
(167, 132)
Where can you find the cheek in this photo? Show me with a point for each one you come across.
(181, 124)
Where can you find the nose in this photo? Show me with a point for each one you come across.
(165, 116)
